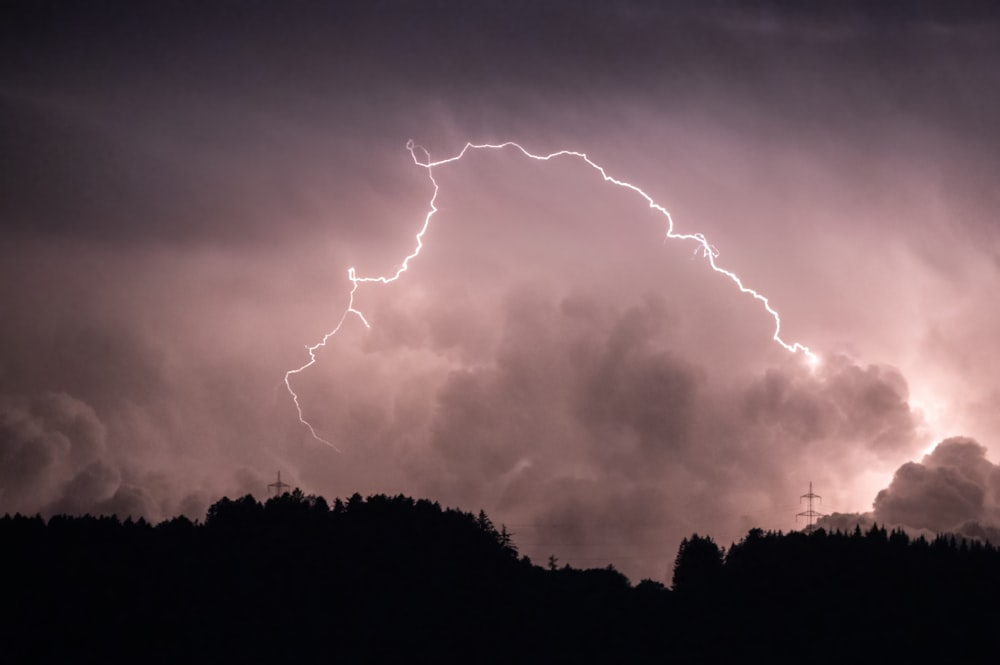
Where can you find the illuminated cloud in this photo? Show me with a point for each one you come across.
(178, 224)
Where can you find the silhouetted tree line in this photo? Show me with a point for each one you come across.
(841, 597)
(391, 579)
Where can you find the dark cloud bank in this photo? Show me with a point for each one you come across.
(182, 191)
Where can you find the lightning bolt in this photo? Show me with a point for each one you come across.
(421, 157)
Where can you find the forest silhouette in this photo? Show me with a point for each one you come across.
(398, 580)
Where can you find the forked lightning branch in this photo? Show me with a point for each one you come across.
(422, 159)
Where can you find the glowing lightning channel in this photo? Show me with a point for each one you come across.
(707, 250)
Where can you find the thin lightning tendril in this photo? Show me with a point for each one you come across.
(707, 251)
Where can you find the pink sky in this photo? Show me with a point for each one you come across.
(180, 216)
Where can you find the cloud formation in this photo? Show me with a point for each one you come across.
(589, 429)
(52, 448)
(953, 489)
(178, 224)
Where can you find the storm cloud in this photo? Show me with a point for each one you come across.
(954, 489)
(183, 191)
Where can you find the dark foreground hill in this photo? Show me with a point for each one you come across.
(393, 580)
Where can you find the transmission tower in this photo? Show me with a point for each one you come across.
(278, 487)
(809, 513)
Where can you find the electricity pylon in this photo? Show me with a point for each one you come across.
(809, 514)
(278, 487)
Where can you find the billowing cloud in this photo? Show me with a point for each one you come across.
(50, 446)
(954, 489)
(589, 429)
(952, 486)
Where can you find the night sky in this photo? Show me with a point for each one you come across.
(183, 187)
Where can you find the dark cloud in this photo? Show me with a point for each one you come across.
(954, 490)
(846, 402)
(175, 136)
(50, 445)
(953, 485)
